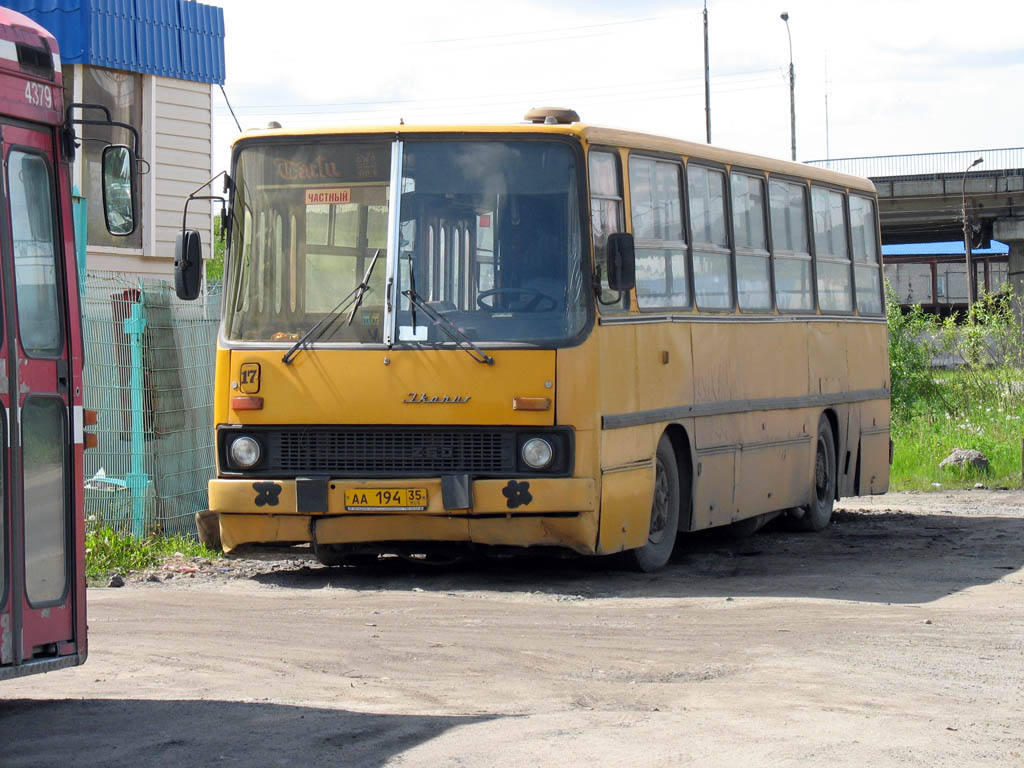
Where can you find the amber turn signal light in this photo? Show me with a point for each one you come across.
(531, 403)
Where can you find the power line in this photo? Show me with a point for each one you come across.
(479, 38)
(453, 100)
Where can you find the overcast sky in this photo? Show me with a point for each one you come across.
(903, 76)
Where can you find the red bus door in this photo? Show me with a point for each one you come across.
(37, 619)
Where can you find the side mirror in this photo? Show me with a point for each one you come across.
(188, 264)
(621, 262)
(119, 173)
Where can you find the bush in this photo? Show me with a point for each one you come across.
(912, 347)
(977, 404)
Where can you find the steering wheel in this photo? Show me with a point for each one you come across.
(525, 300)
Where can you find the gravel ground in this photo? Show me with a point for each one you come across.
(895, 637)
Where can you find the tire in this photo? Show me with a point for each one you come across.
(208, 529)
(664, 521)
(333, 555)
(328, 554)
(818, 512)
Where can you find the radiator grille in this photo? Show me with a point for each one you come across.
(369, 452)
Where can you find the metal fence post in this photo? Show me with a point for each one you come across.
(137, 480)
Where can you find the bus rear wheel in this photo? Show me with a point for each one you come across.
(664, 524)
(818, 513)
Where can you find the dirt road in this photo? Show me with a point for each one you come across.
(896, 637)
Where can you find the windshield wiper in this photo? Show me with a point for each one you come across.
(355, 296)
(363, 287)
(461, 339)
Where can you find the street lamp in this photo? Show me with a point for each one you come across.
(792, 86)
(972, 277)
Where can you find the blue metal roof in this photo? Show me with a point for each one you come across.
(173, 38)
(953, 248)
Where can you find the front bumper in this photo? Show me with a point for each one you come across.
(560, 512)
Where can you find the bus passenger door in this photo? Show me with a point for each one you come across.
(35, 381)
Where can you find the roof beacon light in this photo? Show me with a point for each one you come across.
(552, 116)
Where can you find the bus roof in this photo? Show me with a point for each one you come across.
(591, 134)
(30, 31)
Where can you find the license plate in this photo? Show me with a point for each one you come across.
(411, 499)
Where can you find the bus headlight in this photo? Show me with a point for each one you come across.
(245, 452)
(537, 453)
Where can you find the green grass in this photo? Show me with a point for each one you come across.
(979, 404)
(976, 408)
(924, 441)
(107, 551)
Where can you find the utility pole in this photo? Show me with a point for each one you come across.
(707, 75)
(828, 154)
(792, 87)
(972, 275)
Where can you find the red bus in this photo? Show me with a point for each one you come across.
(42, 419)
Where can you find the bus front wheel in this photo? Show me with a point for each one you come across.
(664, 524)
(818, 512)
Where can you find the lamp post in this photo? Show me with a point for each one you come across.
(972, 277)
(792, 86)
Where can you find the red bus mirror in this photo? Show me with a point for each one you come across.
(188, 264)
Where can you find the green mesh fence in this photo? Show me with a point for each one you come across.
(149, 366)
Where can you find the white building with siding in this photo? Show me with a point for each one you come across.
(153, 64)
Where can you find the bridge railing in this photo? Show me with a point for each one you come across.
(895, 167)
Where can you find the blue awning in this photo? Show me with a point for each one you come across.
(956, 247)
(173, 38)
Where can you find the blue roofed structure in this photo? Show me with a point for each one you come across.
(171, 38)
(954, 248)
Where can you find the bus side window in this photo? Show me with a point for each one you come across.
(831, 251)
(655, 200)
(865, 255)
(753, 262)
(606, 218)
(792, 254)
(712, 259)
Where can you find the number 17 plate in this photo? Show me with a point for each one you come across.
(392, 499)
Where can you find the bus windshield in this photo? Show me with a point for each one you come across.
(489, 236)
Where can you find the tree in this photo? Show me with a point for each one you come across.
(215, 266)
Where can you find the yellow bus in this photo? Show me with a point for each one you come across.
(546, 334)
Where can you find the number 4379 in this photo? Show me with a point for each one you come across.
(39, 95)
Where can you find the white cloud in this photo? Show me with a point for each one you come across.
(904, 76)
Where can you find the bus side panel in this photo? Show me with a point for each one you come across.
(874, 448)
(868, 353)
(849, 449)
(626, 508)
(715, 479)
(749, 462)
(772, 472)
(664, 366)
(626, 469)
(826, 358)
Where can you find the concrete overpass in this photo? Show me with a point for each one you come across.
(919, 198)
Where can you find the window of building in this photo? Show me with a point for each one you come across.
(865, 255)
(832, 255)
(121, 93)
(753, 262)
(655, 193)
(606, 218)
(793, 285)
(712, 259)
